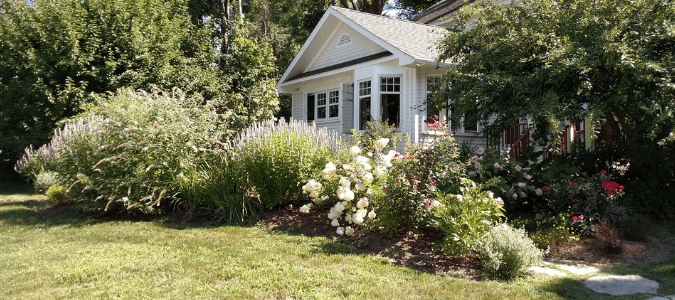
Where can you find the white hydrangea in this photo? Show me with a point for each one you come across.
(372, 214)
(368, 177)
(382, 142)
(349, 231)
(304, 209)
(340, 230)
(362, 159)
(330, 169)
(355, 149)
(335, 223)
(344, 181)
(363, 203)
(379, 171)
(358, 216)
(360, 187)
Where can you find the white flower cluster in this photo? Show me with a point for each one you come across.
(313, 188)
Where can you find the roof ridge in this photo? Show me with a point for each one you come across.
(385, 17)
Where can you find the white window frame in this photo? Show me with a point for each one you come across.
(328, 104)
(383, 92)
(359, 97)
(442, 114)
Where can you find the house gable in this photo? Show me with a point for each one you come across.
(346, 44)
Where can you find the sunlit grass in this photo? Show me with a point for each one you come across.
(67, 255)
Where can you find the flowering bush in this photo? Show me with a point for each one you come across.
(351, 187)
(465, 217)
(412, 181)
(506, 251)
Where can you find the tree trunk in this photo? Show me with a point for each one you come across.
(224, 7)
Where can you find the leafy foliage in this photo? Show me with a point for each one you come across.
(466, 217)
(506, 252)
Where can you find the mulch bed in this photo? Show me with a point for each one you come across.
(413, 249)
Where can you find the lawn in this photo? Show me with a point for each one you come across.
(64, 254)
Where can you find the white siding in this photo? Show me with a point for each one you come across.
(359, 47)
(334, 126)
(297, 107)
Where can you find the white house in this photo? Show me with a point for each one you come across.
(356, 66)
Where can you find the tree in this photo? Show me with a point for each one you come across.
(55, 55)
(555, 59)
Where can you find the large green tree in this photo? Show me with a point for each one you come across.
(56, 54)
(555, 59)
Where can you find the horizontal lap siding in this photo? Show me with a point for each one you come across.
(297, 107)
(332, 55)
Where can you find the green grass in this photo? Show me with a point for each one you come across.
(67, 255)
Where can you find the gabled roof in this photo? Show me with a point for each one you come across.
(410, 42)
(414, 39)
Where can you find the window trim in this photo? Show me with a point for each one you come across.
(359, 97)
(381, 92)
(442, 114)
(447, 114)
(327, 105)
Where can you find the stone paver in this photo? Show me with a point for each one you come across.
(622, 285)
(669, 297)
(547, 271)
(578, 270)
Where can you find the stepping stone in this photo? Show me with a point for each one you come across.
(669, 297)
(578, 270)
(622, 285)
(547, 271)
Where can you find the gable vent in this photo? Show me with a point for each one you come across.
(345, 39)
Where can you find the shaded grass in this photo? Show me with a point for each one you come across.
(67, 255)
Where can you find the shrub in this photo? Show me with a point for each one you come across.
(506, 251)
(44, 180)
(276, 158)
(57, 194)
(413, 179)
(466, 217)
(130, 148)
(548, 230)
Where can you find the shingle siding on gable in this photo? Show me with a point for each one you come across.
(359, 47)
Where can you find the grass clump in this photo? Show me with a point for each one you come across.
(506, 251)
(57, 194)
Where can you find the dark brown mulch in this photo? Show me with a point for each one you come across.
(411, 249)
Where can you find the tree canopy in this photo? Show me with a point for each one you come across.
(611, 60)
(55, 55)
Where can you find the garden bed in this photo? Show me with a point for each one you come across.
(414, 248)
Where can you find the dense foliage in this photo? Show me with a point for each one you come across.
(56, 56)
(506, 251)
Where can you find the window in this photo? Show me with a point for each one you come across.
(327, 105)
(433, 111)
(390, 100)
(364, 104)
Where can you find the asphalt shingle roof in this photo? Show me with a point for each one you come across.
(414, 39)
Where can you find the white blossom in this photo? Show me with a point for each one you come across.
(355, 149)
(340, 230)
(349, 231)
(382, 142)
(335, 223)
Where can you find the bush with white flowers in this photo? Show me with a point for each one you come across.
(351, 187)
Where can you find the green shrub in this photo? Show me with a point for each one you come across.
(549, 230)
(413, 179)
(276, 158)
(44, 180)
(57, 194)
(466, 217)
(506, 251)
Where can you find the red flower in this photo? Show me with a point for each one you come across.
(544, 188)
(575, 205)
(610, 186)
(396, 155)
(621, 187)
(432, 184)
(575, 218)
(384, 188)
(603, 172)
(581, 217)
(415, 186)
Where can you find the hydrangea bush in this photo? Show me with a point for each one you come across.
(350, 188)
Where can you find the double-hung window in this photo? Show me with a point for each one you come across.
(364, 103)
(390, 99)
(323, 105)
(433, 111)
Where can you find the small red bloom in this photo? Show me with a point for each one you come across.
(384, 188)
(581, 217)
(432, 184)
(545, 188)
(415, 186)
(575, 205)
(396, 155)
(603, 172)
(575, 218)
(621, 187)
(610, 186)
